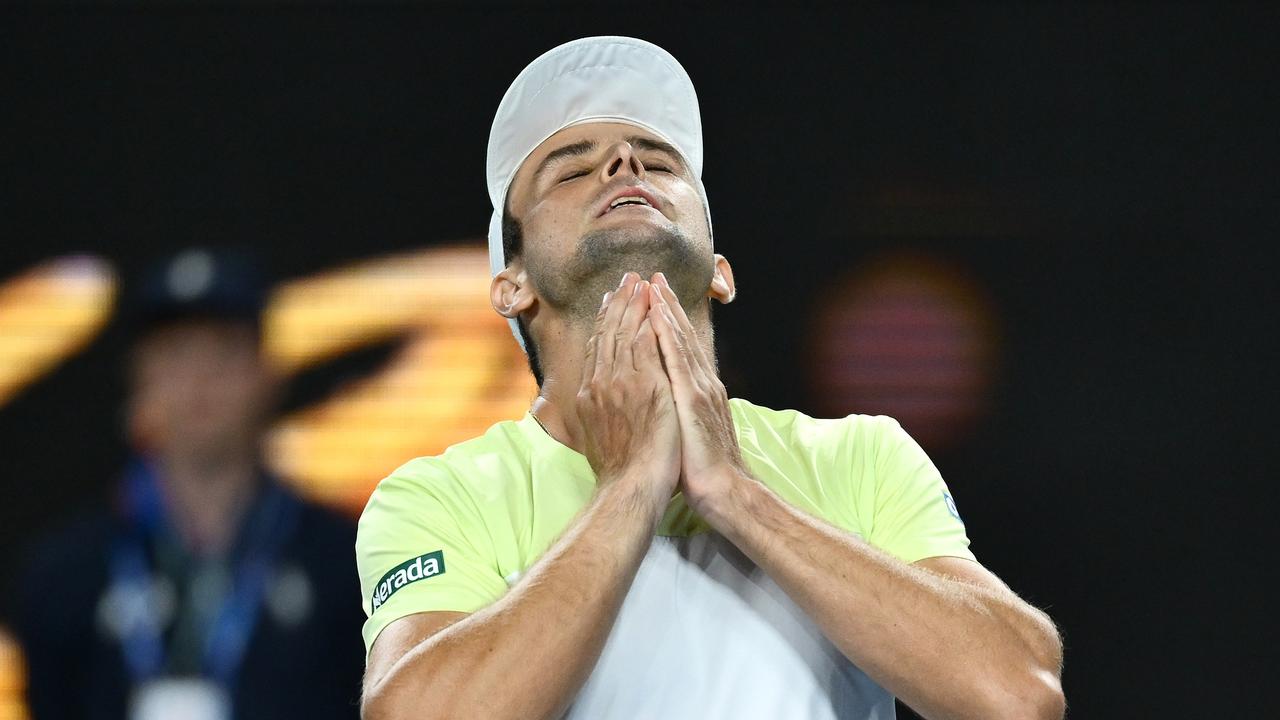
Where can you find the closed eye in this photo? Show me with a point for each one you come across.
(572, 175)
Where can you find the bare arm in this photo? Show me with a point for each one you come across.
(528, 654)
(945, 635)
(962, 646)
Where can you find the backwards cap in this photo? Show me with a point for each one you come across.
(594, 79)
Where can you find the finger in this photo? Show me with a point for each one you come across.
(673, 302)
(675, 353)
(589, 361)
(683, 329)
(624, 337)
(645, 352)
(607, 324)
(593, 342)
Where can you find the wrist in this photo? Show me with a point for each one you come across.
(635, 493)
(723, 496)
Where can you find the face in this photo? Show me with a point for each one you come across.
(198, 388)
(600, 199)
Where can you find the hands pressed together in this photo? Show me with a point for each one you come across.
(653, 410)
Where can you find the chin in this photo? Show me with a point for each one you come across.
(604, 254)
(646, 249)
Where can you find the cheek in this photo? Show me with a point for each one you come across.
(243, 388)
(552, 227)
(147, 420)
(691, 214)
(687, 199)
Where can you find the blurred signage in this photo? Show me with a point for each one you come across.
(50, 313)
(12, 680)
(909, 336)
(457, 372)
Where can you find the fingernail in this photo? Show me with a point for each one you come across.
(663, 279)
(624, 279)
(605, 301)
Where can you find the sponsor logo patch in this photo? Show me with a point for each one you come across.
(951, 506)
(409, 571)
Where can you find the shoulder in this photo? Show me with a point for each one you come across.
(477, 471)
(82, 541)
(769, 428)
(478, 464)
(61, 573)
(314, 581)
(322, 531)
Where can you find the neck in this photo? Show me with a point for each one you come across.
(562, 350)
(206, 497)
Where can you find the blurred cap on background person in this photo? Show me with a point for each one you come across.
(198, 284)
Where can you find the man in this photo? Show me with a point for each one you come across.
(801, 568)
(209, 591)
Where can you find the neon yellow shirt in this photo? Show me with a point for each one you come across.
(702, 633)
(449, 532)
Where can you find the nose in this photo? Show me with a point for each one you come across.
(621, 160)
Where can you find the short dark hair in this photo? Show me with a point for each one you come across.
(512, 247)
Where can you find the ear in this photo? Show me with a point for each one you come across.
(722, 287)
(510, 292)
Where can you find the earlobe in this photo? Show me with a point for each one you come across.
(510, 292)
(722, 287)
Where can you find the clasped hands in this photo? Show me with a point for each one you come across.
(653, 410)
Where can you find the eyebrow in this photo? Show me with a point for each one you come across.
(582, 147)
(640, 142)
(585, 147)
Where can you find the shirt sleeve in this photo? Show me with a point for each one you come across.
(915, 515)
(420, 548)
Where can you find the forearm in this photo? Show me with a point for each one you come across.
(947, 648)
(528, 654)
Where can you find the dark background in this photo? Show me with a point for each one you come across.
(1108, 173)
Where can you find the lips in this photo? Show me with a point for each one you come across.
(626, 197)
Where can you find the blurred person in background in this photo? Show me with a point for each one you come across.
(639, 545)
(209, 590)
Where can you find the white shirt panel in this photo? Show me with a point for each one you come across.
(703, 633)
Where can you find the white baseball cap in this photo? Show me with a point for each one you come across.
(593, 79)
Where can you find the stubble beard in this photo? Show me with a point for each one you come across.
(575, 289)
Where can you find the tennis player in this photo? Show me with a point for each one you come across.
(639, 545)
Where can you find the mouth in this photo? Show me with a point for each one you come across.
(631, 199)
